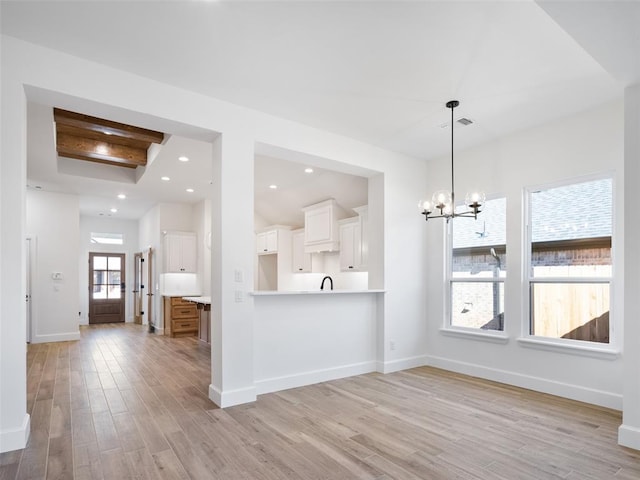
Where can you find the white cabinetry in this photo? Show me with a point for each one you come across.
(321, 227)
(354, 239)
(267, 242)
(180, 252)
(363, 221)
(301, 261)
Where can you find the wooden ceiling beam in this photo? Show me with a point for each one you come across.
(100, 136)
(86, 122)
(95, 150)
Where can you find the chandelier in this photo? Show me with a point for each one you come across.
(442, 203)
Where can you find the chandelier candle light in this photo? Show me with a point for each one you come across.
(443, 201)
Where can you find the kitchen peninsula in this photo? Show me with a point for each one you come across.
(203, 306)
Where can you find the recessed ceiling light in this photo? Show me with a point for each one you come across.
(273, 187)
(183, 158)
(308, 170)
(190, 190)
(122, 196)
(114, 210)
(165, 179)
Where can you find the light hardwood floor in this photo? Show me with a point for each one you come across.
(122, 403)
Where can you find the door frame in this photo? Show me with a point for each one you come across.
(122, 300)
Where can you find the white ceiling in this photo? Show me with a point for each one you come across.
(376, 71)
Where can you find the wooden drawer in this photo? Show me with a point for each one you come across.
(180, 301)
(184, 327)
(184, 311)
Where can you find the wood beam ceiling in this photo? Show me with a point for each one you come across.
(93, 139)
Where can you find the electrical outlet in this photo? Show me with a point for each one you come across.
(392, 344)
(238, 296)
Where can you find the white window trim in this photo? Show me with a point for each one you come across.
(575, 347)
(610, 350)
(492, 336)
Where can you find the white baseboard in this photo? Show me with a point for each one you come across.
(56, 337)
(16, 438)
(233, 397)
(276, 384)
(401, 364)
(566, 390)
(629, 436)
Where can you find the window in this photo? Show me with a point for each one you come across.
(107, 238)
(477, 268)
(570, 266)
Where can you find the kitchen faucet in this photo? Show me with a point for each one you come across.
(330, 281)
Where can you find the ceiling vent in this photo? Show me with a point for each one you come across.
(464, 121)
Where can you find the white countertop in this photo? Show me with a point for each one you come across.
(203, 300)
(178, 294)
(262, 293)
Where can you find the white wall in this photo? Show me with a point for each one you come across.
(629, 432)
(14, 419)
(53, 225)
(202, 227)
(42, 75)
(319, 337)
(129, 228)
(585, 144)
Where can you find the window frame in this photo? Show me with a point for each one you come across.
(566, 345)
(494, 336)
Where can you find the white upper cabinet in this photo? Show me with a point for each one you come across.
(267, 242)
(349, 244)
(354, 238)
(273, 239)
(180, 252)
(321, 232)
(301, 261)
(363, 221)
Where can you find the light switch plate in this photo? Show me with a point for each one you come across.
(238, 276)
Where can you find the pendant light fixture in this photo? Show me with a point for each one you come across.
(442, 203)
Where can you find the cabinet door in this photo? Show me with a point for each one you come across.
(189, 254)
(267, 242)
(301, 261)
(173, 253)
(364, 242)
(261, 243)
(272, 241)
(349, 243)
(180, 253)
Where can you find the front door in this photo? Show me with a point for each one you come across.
(106, 287)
